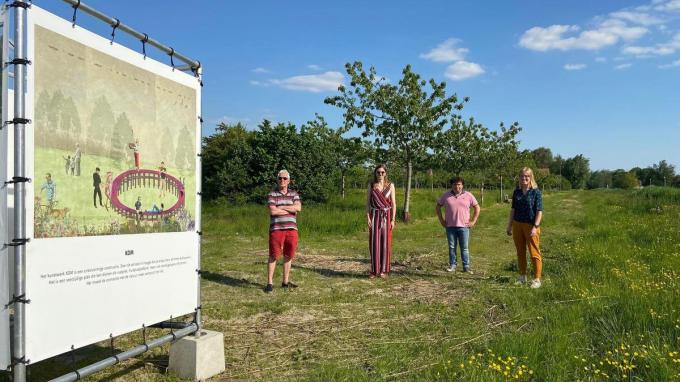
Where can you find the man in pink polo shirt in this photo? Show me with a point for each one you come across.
(457, 203)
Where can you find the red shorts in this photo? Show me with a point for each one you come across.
(282, 242)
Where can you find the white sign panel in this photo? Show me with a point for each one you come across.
(4, 211)
(113, 208)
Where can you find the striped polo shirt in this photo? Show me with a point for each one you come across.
(282, 222)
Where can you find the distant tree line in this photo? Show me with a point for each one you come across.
(576, 172)
(660, 174)
(413, 126)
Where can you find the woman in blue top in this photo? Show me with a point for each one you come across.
(523, 224)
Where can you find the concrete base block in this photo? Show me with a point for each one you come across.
(198, 358)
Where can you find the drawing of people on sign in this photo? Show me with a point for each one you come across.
(161, 184)
(107, 189)
(68, 164)
(51, 189)
(134, 146)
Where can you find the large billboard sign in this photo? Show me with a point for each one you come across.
(112, 211)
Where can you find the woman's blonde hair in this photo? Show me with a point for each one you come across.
(531, 176)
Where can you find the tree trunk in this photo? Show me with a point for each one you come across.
(343, 186)
(482, 193)
(407, 195)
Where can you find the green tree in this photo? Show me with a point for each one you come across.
(347, 152)
(676, 181)
(543, 157)
(600, 179)
(305, 154)
(226, 157)
(462, 146)
(664, 172)
(577, 171)
(557, 165)
(624, 179)
(405, 117)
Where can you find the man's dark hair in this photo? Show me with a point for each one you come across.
(457, 179)
(97, 169)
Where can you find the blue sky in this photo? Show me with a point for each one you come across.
(598, 78)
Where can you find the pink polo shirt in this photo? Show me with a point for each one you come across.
(457, 208)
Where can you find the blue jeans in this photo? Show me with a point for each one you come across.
(458, 236)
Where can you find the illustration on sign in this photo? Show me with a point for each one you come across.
(109, 162)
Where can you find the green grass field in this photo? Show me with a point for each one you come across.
(76, 192)
(608, 308)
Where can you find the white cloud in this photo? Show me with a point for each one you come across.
(461, 70)
(259, 83)
(600, 59)
(565, 37)
(673, 64)
(315, 83)
(575, 66)
(636, 17)
(664, 49)
(623, 66)
(314, 67)
(447, 51)
(260, 70)
(668, 6)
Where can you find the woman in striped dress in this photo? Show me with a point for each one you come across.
(380, 213)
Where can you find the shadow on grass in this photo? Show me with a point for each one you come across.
(326, 272)
(125, 371)
(398, 269)
(230, 281)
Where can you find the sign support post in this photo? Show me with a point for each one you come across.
(19, 329)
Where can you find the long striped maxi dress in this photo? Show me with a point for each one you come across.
(380, 233)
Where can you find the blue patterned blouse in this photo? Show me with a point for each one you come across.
(527, 205)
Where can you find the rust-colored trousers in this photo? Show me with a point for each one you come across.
(521, 235)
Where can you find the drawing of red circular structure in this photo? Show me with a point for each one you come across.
(148, 179)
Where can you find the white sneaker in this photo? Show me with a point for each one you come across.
(521, 280)
(535, 283)
(452, 268)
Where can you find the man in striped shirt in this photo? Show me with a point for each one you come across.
(284, 204)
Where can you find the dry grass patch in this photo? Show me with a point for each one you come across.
(427, 292)
(333, 264)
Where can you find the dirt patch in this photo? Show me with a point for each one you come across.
(334, 264)
(428, 292)
(569, 203)
(291, 317)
